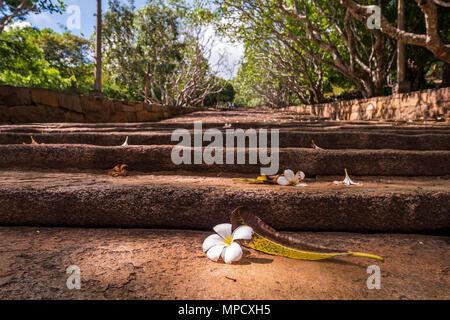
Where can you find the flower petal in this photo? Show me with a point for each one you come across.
(301, 185)
(223, 230)
(232, 253)
(242, 232)
(211, 241)
(215, 252)
(300, 176)
(289, 174)
(282, 181)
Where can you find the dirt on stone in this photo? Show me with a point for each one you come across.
(170, 264)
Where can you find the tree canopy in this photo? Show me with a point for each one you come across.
(295, 51)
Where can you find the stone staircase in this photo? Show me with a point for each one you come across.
(140, 236)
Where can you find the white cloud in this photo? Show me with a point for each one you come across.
(18, 24)
(221, 47)
(42, 20)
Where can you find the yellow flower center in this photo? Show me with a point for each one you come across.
(292, 183)
(228, 240)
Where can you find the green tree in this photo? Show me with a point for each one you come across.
(45, 59)
(226, 93)
(154, 54)
(69, 54)
(12, 10)
(319, 30)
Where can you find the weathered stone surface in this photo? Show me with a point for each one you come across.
(164, 264)
(74, 117)
(28, 114)
(155, 158)
(170, 264)
(91, 104)
(120, 116)
(157, 107)
(144, 115)
(184, 201)
(246, 120)
(4, 114)
(426, 104)
(70, 102)
(95, 117)
(122, 106)
(14, 96)
(45, 97)
(336, 139)
(138, 106)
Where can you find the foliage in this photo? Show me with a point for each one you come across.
(300, 51)
(12, 10)
(45, 59)
(156, 55)
(226, 93)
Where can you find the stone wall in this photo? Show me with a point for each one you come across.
(419, 105)
(25, 105)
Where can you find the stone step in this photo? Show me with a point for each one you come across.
(158, 158)
(292, 139)
(182, 123)
(170, 264)
(94, 199)
(239, 119)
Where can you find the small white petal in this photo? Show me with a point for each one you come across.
(301, 185)
(289, 174)
(232, 253)
(211, 241)
(300, 175)
(215, 252)
(223, 230)
(347, 181)
(282, 181)
(243, 232)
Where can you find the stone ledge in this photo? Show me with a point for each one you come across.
(419, 105)
(85, 199)
(159, 158)
(75, 108)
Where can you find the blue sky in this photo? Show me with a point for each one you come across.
(88, 9)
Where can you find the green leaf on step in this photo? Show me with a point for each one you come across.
(268, 240)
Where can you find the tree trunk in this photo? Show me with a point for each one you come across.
(445, 76)
(98, 49)
(402, 84)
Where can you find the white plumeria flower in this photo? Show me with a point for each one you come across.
(291, 179)
(223, 243)
(125, 144)
(347, 181)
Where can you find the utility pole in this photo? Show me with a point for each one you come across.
(98, 49)
(402, 85)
